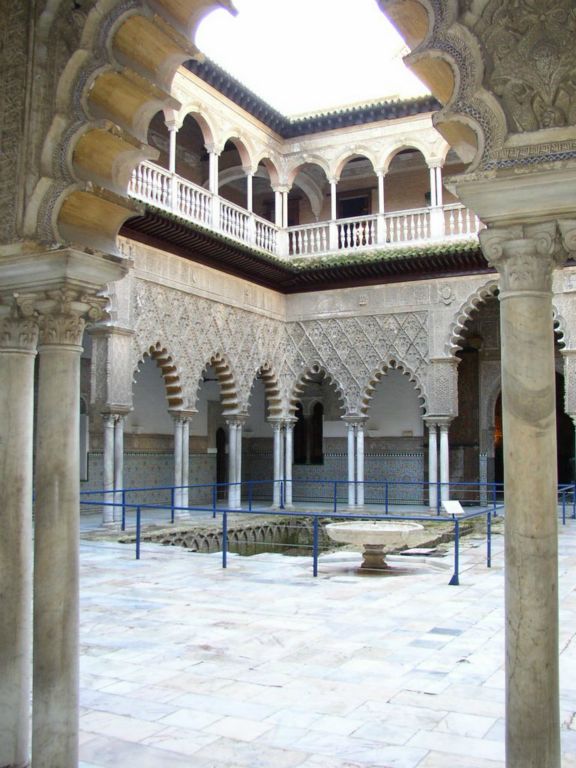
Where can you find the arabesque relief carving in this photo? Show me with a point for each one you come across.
(531, 64)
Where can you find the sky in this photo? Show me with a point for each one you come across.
(304, 56)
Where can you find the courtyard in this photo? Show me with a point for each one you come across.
(263, 666)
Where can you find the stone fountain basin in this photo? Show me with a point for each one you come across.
(373, 536)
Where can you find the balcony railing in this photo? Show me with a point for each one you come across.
(170, 192)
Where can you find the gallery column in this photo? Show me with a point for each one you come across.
(525, 256)
(432, 465)
(278, 431)
(55, 657)
(18, 336)
(288, 462)
(108, 421)
(444, 425)
(351, 427)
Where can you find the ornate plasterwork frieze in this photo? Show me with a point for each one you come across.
(530, 61)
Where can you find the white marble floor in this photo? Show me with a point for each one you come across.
(262, 666)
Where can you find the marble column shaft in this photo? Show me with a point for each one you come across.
(17, 352)
(351, 464)
(277, 432)
(360, 465)
(288, 462)
(56, 544)
(185, 462)
(432, 465)
(444, 463)
(108, 420)
(177, 463)
(525, 256)
(118, 466)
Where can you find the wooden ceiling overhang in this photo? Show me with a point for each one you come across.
(304, 274)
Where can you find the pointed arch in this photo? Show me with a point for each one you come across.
(228, 385)
(169, 371)
(305, 377)
(272, 391)
(480, 295)
(377, 376)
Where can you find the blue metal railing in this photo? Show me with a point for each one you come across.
(138, 508)
(388, 494)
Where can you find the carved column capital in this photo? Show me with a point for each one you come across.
(18, 324)
(64, 314)
(525, 255)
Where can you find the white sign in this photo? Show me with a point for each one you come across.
(453, 508)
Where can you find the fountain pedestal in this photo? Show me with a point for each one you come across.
(373, 536)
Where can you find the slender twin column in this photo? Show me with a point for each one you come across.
(213, 184)
(525, 256)
(283, 460)
(235, 426)
(438, 424)
(436, 214)
(18, 337)
(181, 462)
(355, 428)
(113, 428)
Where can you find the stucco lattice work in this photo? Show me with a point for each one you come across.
(352, 351)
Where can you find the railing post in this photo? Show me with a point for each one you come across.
(315, 547)
(224, 539)
(455, 580)
(123, 525)
(335, 500)
(494, 489)
(489, 539)
(138, 528)
(333, 236)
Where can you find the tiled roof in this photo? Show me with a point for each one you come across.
(287, 127)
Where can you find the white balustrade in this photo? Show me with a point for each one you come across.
(266, 235)
(152, 184)
(234, 221)
(193, 202)
(308, 240)
(460, 221)
(166, 190)
(407, 226)
(356, 233)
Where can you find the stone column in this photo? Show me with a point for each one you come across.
(118, 465)
(432, 465)
(439, 193)
(108, 458)
(285, 208)
(278, 207)
(213, 184)
(173, 131)
(436, 212)
(185, 462)
(277, 431)
(232, 465)
(177, 462)
(18, 336)
(381, 202)
(525, 256)
(444, 460)
(55, 657)
(249, 197)
(239, 426)
(351, 464)
(333, 227)
(433, 201)
(288, 462)
(360, 464)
